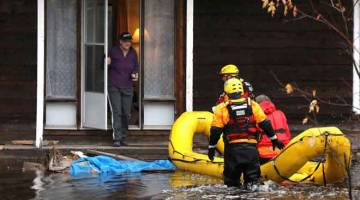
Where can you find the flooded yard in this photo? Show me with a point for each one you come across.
(175, 185)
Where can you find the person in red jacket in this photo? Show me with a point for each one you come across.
(279, 124)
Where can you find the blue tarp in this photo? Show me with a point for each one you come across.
(110, 166)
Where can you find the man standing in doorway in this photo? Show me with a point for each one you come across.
(123, 70)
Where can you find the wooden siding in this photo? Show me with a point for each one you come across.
(18, 66)
(180, 49)
(305, 52)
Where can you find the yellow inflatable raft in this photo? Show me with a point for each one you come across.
(327, 145)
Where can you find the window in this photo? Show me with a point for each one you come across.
(61, 49)
(159, 41)
(158, 63)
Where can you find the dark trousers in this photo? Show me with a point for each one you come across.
(120, 103)
(241, 159)
(264, 160)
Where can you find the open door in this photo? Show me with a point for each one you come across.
(95, 47)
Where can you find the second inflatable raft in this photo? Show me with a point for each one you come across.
(328, 145)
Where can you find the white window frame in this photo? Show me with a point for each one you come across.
(189, 53)
(40, 72)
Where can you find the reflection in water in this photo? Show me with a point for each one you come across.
(127, 186)
(185, 179)
(178, 185)
(38, 183)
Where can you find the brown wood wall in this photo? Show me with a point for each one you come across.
(180, 49)
(305, 52)
(17, 66)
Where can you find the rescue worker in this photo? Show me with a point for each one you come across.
(232, 71)
(279, 124)
(237, 118)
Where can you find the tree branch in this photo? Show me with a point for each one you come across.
(306, 94)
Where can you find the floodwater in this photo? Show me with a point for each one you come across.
(178, 185)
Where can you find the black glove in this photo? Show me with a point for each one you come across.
(277, 143)
(211, 153)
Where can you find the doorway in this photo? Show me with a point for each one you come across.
(152, 24)
(125, 17)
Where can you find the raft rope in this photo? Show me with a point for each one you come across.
(190, 161)
(322, 162)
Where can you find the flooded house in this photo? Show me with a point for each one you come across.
(53, 77)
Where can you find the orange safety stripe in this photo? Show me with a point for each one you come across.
(251, 141)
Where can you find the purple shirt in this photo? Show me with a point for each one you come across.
(122, 67)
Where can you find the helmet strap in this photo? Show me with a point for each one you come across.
(236, 95)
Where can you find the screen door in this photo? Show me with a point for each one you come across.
(94, 52)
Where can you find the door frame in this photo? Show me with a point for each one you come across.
(181, 67)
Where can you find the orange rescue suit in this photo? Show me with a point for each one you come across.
(222, 116)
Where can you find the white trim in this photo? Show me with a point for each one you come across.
(49, 127)
(189, 54)
(157, 127)
(40, 72)
(356, 49)
(82, 68)
(106, 5)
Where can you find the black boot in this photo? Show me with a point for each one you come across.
(122, 143)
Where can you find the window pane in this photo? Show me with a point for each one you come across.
(94, 69)
(94, 21)
(159, 49)
(61, 49)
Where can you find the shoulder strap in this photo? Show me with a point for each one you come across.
(249, 102)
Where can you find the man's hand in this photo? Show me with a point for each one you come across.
(277, 143)
(211, 152)
(135, 77)
(108, 60)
